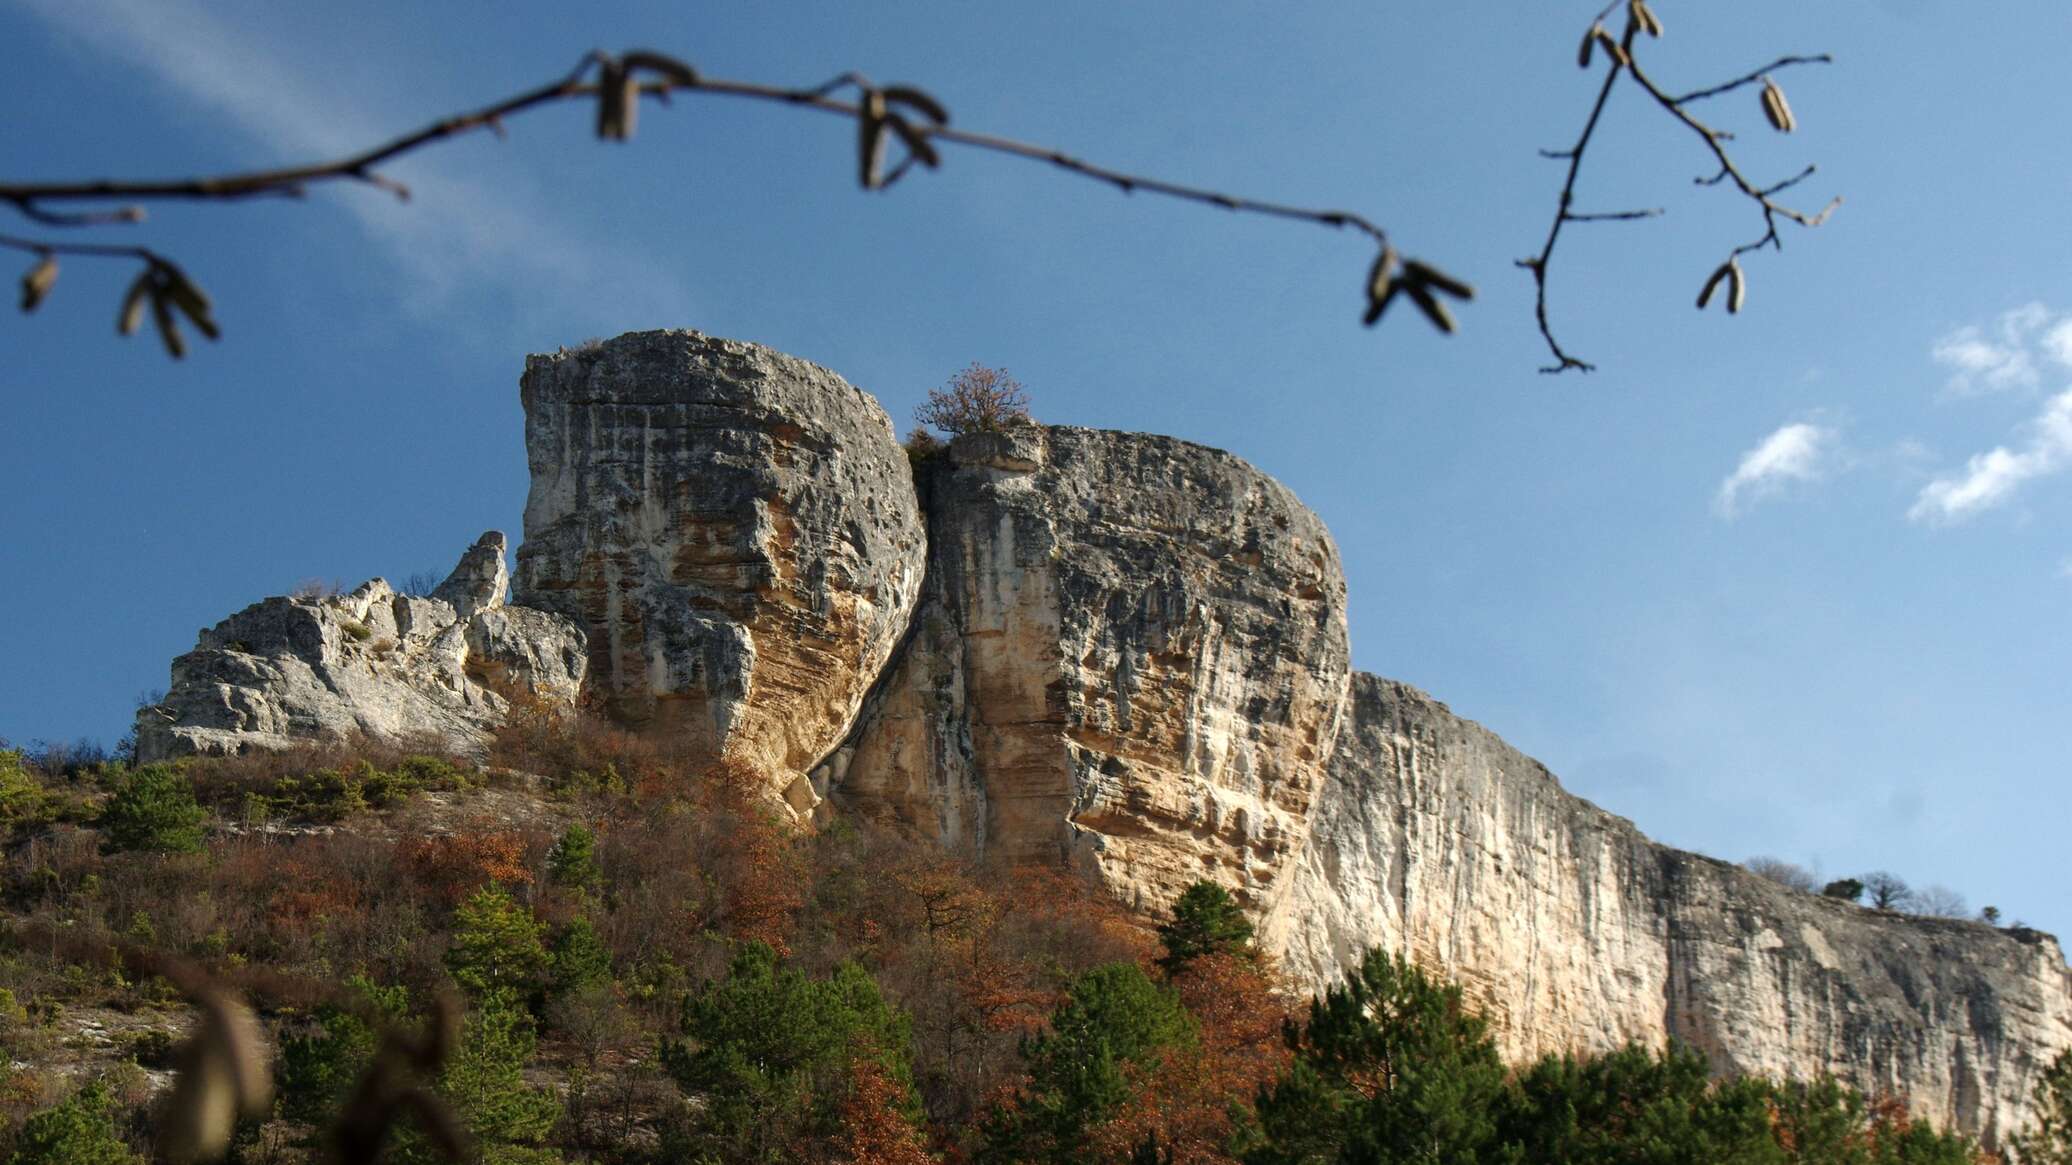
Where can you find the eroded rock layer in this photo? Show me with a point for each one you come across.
(1132, 656)
(1433, 837)
(735, 528)
(373, 663)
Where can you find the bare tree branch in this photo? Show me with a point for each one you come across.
(618, 88)
(1623, 62)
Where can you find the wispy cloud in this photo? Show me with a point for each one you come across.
(1798, 452)
(457, 233)
(1991, 478)
(2004, 357)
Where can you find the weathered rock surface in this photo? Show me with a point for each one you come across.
(1434, 838)
(735, 528)
(372, 662)
(1131, 656)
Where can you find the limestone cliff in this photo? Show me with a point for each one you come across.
(1435, 838)
(1131, 655)
(370, 663)
(736, 529)
(1123, 652)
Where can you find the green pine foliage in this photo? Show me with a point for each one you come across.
(1113, 1018)
(572, 863)
(767, 1055)
(1391, 1065)
(1206, 921)
(80, 1130)
(496, 944)
(319, 1067)
(508, 1118)
(1634, 1107)
(578, 960)
(154, 809)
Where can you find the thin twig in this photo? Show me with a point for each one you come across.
(1752, 78)
(100, 250)
(1538, 263)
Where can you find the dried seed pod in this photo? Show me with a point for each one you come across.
(132, 313)
(618, 96)
(1777, 109)
(1589, 43)
(37, 283)
(1424, 273)
(1613, 49)
(1381, 285)
(225, 1073)
(168, 327)
(870, 138)
(1645, 17)
(672, 70)
(1705, 293)
(200, 1112)
(1429, 304)
(908, 95)
(1737, 287)
(190, 300)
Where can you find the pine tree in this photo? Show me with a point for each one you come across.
(769, 1055)
(484, 1083)
(579, 959)
(496, 944)
(1113, 1019)
(573, 860)
(1391, 1066)
(1206, 921)
(154, 809)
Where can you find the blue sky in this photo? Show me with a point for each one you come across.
(1795, 582)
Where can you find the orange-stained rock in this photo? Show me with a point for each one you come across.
(737, 530)
(1131, 657)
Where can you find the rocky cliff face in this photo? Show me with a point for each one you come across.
(1122, 652)
(370, 663)
(1131, 656)
(1435, 838)
(735, 528)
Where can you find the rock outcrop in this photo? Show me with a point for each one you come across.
(1131, 656)
(1434, 838)
(735, 528)
(1116, 651)
(371, 663)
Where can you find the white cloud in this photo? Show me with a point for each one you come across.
(2057, 342)
(2005, 358)
(456, 233)
(1797, 452)
(1991, 478)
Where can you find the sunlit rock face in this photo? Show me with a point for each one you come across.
(1131, 656)
(1434, 838)
(1128, 654)
(431, 672)
(735, 528)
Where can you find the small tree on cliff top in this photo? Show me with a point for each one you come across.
(976, 399)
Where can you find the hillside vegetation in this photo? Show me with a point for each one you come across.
(653, 969)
